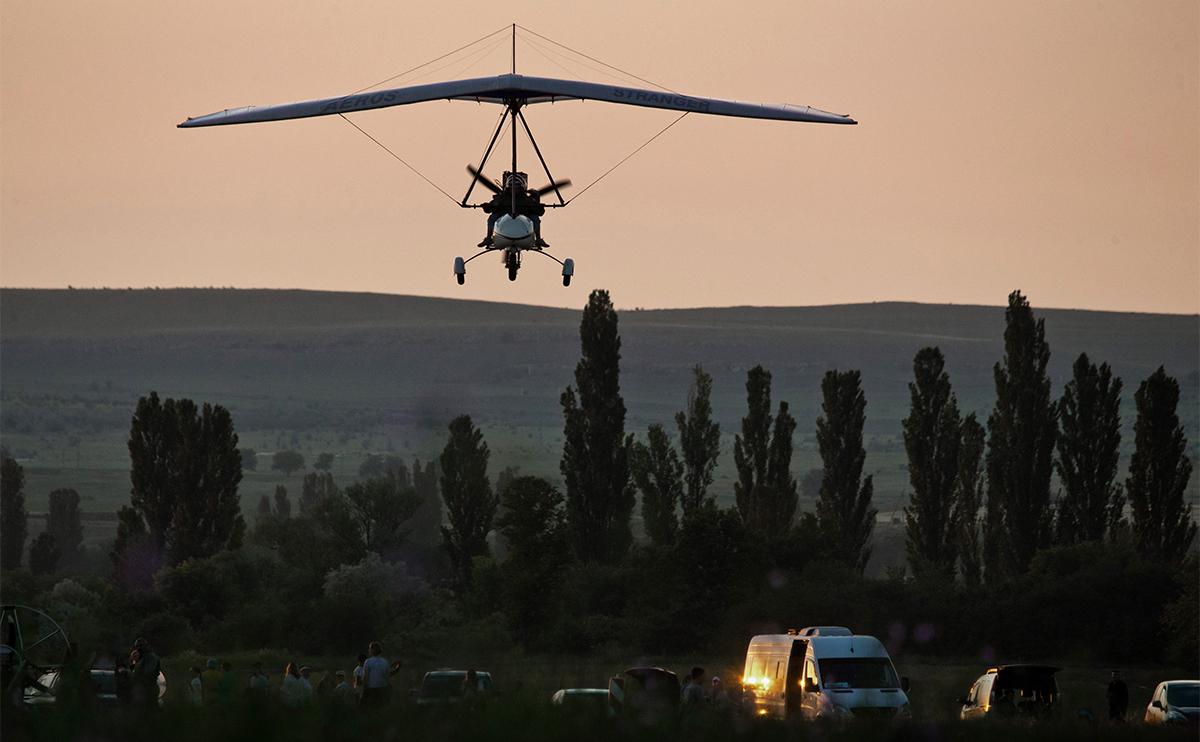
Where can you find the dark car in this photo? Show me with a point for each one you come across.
(647, 695)
(449, 686)
(1012, 691)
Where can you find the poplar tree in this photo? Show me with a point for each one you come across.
(427, 520)
(467, 492)
(534, 527)
(283, 505)
(969, 498)
(595, 460)
(1021, 433)
(64, 522)
(316, 486)
(659, 475)
(14, 521)
(699, 441)
(844, 511)
(1089, 442)
(931, 440)
(1159, 471)
(765, 489)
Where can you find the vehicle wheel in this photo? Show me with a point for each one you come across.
(462, 278)
(566, 280)
(512, 272)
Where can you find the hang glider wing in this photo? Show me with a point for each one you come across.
(505, 88)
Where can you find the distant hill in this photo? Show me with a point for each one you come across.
(351, 372)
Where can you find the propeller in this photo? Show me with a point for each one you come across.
(482, 180)
(553, 187)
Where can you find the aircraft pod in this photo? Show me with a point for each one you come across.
(515, 209)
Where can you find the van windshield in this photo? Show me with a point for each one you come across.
(867, 672)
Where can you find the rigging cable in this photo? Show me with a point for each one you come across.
(606, 64)
(398, 157)
(631, 154)
(426, 64)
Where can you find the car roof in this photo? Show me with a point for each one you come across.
(1181, 682)
(584, 691)
(1025, 668)
(459, 673)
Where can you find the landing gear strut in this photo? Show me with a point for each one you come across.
(512, 261)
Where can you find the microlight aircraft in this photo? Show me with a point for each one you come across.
(516, 209)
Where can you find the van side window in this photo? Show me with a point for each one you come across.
(810, 673)
(973, 696)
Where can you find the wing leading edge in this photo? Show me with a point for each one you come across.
(504, 88)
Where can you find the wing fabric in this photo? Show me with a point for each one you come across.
(504, 88)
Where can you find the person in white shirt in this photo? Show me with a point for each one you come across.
(291, 691)
(306, 688)
(357, 677)
(196, 688)
(376, 672)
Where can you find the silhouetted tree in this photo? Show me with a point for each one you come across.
(14, 521)
(44, 554)
(287, 462)
(595, 461)
(659, 475)
(185, 470)
(427, 520)
(324, 462)
(699, 441)
(969, 488)
(381, 507)
(534, 528)
(844, 509)
(263, 512)
(283, 505)
(1021, 432)
(1159, 472)
(249, 459)
(765, 489)
(1089, 441)
(467, 493)
(315, 486)
(64, 523)
(931, 440)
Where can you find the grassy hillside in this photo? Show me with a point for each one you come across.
(360, 373)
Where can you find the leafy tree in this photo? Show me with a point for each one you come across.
(595, 460)
(14, 523)
(249, 459)
(63, 521)
(931, 440)
(659, 475)
(844, 509)
(380, 508)
(1021, 432)
(185, 472)
(324, 462)
(427, 520)
(503, 480)
(44, 554)
(316, 486)
(378, 465)
(1159, 472)
(1089, 441)
(534, 527)
(264, 510)
(969, 488)
(470, 504)
(765, 489)
(283, 506)
(287, 462)
(699, 441)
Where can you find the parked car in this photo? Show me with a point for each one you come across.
(1175, 702)
(104, 685)
(1012, 691)
(645, 695)
(822, 672)
(581, 701)
(450, 686)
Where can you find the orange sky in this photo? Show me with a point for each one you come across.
(1047, 146)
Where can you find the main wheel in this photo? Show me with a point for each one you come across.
(512, 272)
(566, 280)
(462, 278)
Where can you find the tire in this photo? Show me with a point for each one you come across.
(566, 280)
(512, 272)
(462, 278)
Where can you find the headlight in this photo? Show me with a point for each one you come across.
(904, 712)
(841, 712)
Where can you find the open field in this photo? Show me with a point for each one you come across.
(354, 374)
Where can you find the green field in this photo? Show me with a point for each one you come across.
(354, 374)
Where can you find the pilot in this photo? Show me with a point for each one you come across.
(528, 204)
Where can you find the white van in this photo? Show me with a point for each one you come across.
(821, 672)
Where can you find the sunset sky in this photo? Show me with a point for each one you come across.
(1047, 146)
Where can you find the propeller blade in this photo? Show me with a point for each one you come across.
(553, 187)
(482, 180)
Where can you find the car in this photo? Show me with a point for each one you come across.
(440, 687)
(1175, 702)
(1013, 691)
(645, 695)
(581, 701)
(822, 672)
(104, 683)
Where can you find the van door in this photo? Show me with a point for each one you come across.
(810, 702)
(794, 682)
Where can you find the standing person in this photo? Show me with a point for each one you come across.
(342, 692)
(693, 692)
(210, 679)
(1118, 697)
(357, 678)
(144, 673)
(376, 671)
(124, 683)
(306, 687)
(227, 685)
(290, 690)
(256, 685)
(196, 688)
(719, 699)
